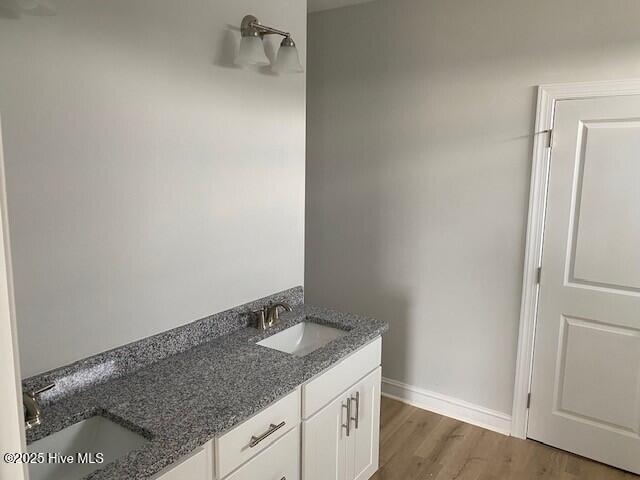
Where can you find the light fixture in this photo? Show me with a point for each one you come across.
(287, 60)
(252, 49)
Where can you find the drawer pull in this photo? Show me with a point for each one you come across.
(272, 429)
(357, 417)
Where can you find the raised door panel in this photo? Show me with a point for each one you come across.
(324, 443)
(365, 427)
(606, 218)
(599, 378)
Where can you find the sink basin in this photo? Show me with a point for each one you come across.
(94, 435)
(302, 339)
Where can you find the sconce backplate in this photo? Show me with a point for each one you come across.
(246, 27)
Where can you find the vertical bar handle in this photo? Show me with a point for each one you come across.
(357, 400)
(348, 424)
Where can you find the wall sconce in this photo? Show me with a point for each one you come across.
(252, 49)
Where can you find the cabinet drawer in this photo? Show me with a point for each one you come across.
(281, 461)
(319, 391)
(196, 466)
(251, 437)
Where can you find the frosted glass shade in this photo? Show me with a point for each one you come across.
(288, 60)
(251, 52)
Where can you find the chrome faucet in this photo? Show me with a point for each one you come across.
(32, 412)
(269, 316)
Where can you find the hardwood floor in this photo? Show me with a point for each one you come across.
(420, 445)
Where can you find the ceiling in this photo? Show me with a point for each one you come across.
(319, 5)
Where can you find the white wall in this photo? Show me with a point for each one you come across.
(420, 115)
(150, 183)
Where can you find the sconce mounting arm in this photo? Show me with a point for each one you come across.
(251, 27)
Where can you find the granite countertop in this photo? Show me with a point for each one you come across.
(182, 401)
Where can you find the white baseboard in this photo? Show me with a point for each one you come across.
(447, 406)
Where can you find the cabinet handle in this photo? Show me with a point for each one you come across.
(357, 400)
(272, 429)
(348, 424)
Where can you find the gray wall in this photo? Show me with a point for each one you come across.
(420, 115)
(150, 183)
(319, 5)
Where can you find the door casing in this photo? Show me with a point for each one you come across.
(12, 435)
(548, 95)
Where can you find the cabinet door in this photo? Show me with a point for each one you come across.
(363, 444)
(324, 443)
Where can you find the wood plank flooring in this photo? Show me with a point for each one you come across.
(420, 445)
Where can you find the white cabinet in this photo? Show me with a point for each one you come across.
(340, 442)
(363, 443)
(197, 466)
(324, 443)
(281, 461)
(338, 439)
(256, 434)
(320, 390)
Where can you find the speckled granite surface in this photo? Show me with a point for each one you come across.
(123, 360)
(182, 401)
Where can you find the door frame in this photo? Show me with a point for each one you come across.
(12, 437)
(548, 95)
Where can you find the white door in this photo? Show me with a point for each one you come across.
(362, 456)
(324, 443)
(586, 372)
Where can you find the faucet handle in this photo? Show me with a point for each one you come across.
(274, 308)
(32, 411)
(41, 390)
(261, 318)
(273, 314)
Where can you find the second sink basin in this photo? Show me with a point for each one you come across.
(302, 339)
(94, 435)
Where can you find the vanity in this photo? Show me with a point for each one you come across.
(326, 429)
(298, 401)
